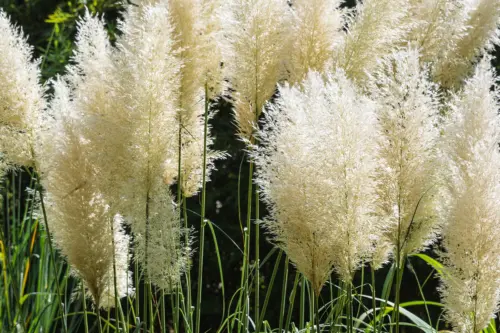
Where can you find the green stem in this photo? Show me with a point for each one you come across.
(85, 319)
(399, 278)
(302, 302)
(257, 259)
(179, 199)
(247, 248)
(349, 307)
(202, 222)
(51, 247)
(150, 304)
(292, 301)
(283, 295)
(270, 288)
(374, 300)
(316, 311)
(163, 319)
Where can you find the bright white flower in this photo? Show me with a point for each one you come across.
(150, 85)
(408, 107)
(481, 19)
(21, 98)
(317, 26)
(257, 33)
(471, 283)
(374, 29)
(315, 171)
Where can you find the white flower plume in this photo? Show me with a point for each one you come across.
(21, 98)
(257, 35)
(373, 30)
(470, 289)
(321, 197)
(481, 21)
(150, 86)
(317, 26)
(407, 137)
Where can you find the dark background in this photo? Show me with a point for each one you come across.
(51, 27)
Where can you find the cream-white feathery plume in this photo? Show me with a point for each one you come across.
(407, 115)
(471, 279)
(150, 83)
(321, 196)
(257, 33)
(317, 26)
(83, 226)
(373, 30)
(21, 98)
(437, 26)
(197, 30)
(482, 19)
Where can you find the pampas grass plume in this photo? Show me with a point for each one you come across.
(321, 197)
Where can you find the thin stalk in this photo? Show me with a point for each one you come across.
(399, 278)
(302, 301)
(179, 199)
(51, 247)
(150, 305)
(6, 282)
(137, 288)
(349, 307)
(115, 284)
(85, 319)
(270, 288)
(99, 325)
(374, 301)
(188, 308)
(202, 214)
(316, 312)
(257, 259)
(292, 300)
(162, 316)
(247, 246)
(283, 295)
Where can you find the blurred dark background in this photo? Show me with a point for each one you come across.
(51, 26)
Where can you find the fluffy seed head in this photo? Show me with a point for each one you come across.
(150, 86)
(21, 98)
(316, 30)
(481, 21)
(373, 30)
(256, 32)
(407, 137)
(470, 289)
(321, 196)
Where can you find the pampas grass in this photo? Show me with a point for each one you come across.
(21, 98)
(321, 197)
(470, 289)
(378, 136)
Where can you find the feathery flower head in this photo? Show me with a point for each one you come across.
(375, 28)
(150, 86)
(78, 213)
(80, 207)
(470, 288)
(408, 107)
(21, 97)
(437, 26)
(321, 197)
(317, 26)
(257, 35)
(481, 19)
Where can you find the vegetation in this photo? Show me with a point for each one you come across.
(249, 166)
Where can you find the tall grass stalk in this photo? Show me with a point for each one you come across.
(52, 255)
(84, 302)
(283, 294)
(202, 215)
